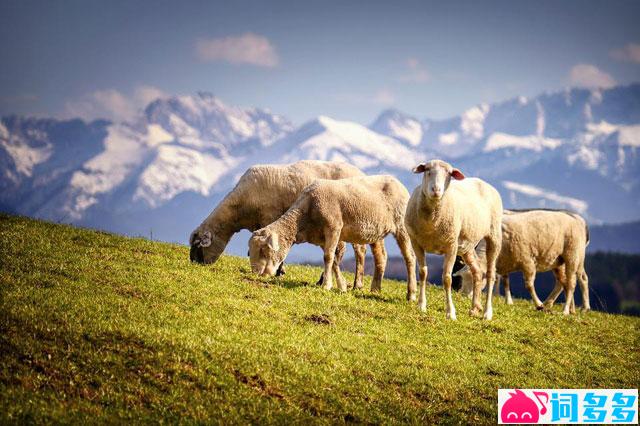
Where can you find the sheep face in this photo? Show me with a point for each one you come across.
(436, 177)
(467, 281)
(264, 253)
(205, 247)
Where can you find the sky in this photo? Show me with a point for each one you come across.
(345, 59)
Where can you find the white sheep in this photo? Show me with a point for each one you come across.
(359, 210)
(450, 217)
(540, 240)
(263, 194)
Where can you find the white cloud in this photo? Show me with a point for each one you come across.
(590, 76)
(384, 97)
(111, 104)
(415, 72)
(248, 48)
(628, 53)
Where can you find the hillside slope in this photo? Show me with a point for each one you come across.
(102, 328)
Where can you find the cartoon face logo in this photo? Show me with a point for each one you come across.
(519, 408)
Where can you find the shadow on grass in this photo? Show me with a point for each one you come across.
(289, 283)
(365, 294)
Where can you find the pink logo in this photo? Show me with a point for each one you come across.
(519, 408)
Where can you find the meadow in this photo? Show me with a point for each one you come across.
(96, 327)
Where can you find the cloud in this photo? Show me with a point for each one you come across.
(248, 48)
(590, 76)
(384, 97)
(415, 72)
(628, 53)
(110, 104)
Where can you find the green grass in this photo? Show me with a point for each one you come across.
(101, 328)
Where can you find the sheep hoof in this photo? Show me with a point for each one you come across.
(412, 297)
(540, 307)
(474, 312)
(451, 316)
(585, 310)
(423, 308)
(488, 316)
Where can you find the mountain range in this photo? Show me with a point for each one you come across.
(162, 171)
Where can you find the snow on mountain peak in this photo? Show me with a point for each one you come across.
(330, 139)
(177, 169)
(472, 121)
(544, 196)
(399, 126)
(499, 140)
(26, 151)
(202, 119)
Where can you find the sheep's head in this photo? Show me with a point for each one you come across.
(205, 246)
(436, 177)
(265, 253)
(466, 279)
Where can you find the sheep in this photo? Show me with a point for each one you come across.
(540, 240)
(448, 214)
(264, 193)
(359, 210)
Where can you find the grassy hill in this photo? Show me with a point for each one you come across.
(99, 327)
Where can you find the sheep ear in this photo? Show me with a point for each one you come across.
(420, 168)
(272, 242)
(192, 238)
(457, 174)
(205, 239)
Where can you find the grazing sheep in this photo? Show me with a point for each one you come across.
(359, 210)
(263, 194)
(541, 240)
(450, 217)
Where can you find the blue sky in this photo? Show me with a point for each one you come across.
(348, 60)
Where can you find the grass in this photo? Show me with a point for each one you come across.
(101, 328)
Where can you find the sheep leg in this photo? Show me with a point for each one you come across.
(422, 269)
(506, 284)
(447, 268)
(340, 250)
(558, 274)
(360, 250)
(331, 240)
(583, 279)
(402, 238)
(380, 263)
(280, 270)
(529, 279)
(494, 244)
(570, 288)
(471, 259)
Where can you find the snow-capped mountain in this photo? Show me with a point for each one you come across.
(163, 170)
(178, 144)
(576, 149)
(331, 140)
